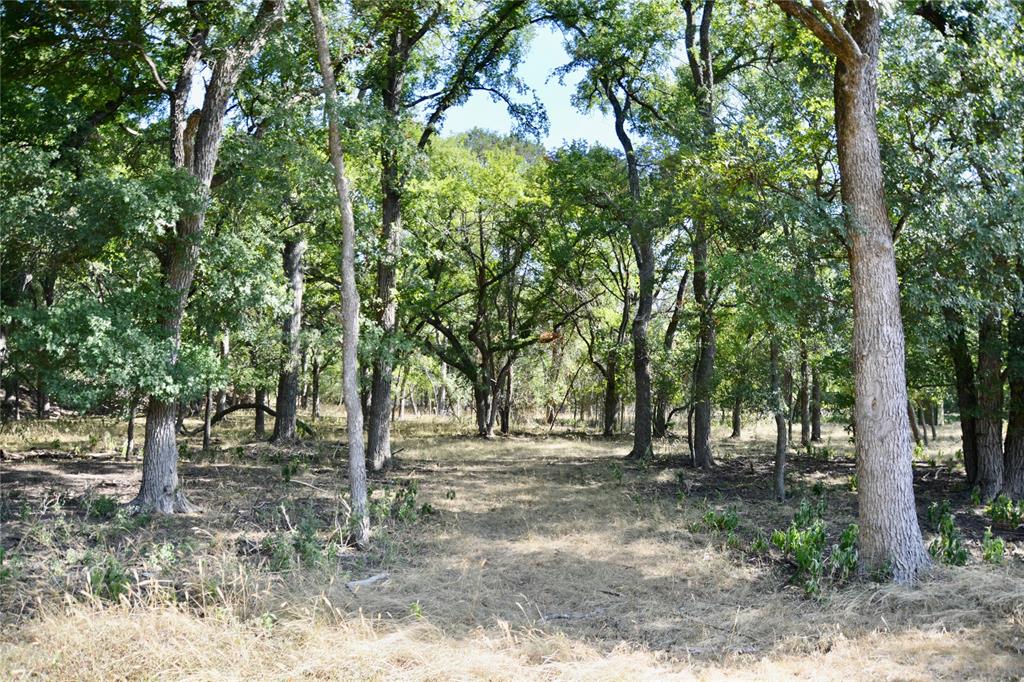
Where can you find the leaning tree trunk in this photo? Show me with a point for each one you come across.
(360, 519)
(1013, 456)
(129, 445)
(781, 432)
(704, 375)
(194, 147)
(966, 391)
(990, 405)
(288, 382)
(660, 428)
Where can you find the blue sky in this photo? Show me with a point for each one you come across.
(545, 54)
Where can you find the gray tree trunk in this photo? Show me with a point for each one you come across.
(288, 381)
(160, 491)
(890, 536)
(261, 421)
(1013, 455)
(815, 404)
(704, 376)
(805, 397)
(966, 389)
(737, 426)
(350, 295)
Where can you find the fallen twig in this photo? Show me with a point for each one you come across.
(352, 585)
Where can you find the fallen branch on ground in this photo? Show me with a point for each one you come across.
(352, 585)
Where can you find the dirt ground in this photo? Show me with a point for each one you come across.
(529, 557)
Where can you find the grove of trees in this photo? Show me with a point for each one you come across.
(814, 212)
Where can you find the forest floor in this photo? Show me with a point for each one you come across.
(527, 557)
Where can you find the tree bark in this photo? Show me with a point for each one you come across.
(815, 405)
(316, 389)
(1013, 455)
(737, 426)
(913, 422)
(890, 536)
(288, 381)
(261, 422)
(779, 410)
(990, 405)
(660, 429)
(922, 421)
(206, 419)
(804, 397)
(966, 391)
(611, 396)
(129, 445)
(704, 375)
(160, 491)
(350, 296)
(506, 405)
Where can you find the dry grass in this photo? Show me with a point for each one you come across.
(544, 560)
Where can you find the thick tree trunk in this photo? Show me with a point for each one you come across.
(349, 293)
(990, 405)
(737, 426)
(288, 381)
(194, 147)
(261, 422)
(482, 403)
(1013, 456)
(779, 410)
(966, 391)
(815, 405)
(890, 536)
(704, 376)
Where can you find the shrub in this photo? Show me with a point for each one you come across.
(992, 548)
(948, 546)
(102, 507)
(1004, 512)
(109, 580)
(728, 520)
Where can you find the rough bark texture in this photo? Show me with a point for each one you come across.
(288, 381)
(966, 391)
(360, 520)
(129, 445)
(207, 408)
(1013, 456)
(913, 422)
(890, 537)
(778, 406)
(990, 405)
(159, 490)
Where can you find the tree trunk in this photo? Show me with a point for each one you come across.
(932, 413)
(506, 405)
(350, 295)
(304, 380)
(737, 429)
(1013, 456)
(288, 382)
(704, 375)
(966, 391)
(225, 351)
(261, 401)
(922, 421)
(482, 402)
(206, 419)
(194, 147)
(913, 422)
(129, 445)
(611, 398)
(787, 394)
(815, 405)
(804, 397)
(990, 405)
(661, 403)
(316, 389)
(779, 410)
(890, 536)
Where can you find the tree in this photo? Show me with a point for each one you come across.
(889, 532)
(350, 297)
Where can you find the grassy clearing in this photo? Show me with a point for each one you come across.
(520, 558)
